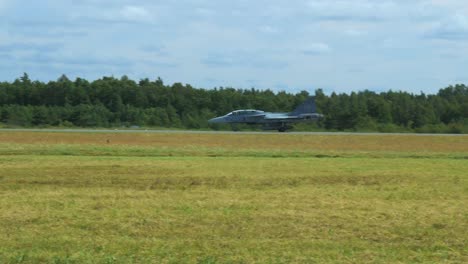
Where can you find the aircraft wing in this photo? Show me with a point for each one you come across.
(279, 117)
(289, 118)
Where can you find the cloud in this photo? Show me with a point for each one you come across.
(30, 47)
(206, 12)
(40, 58)
(136, 13)
(341, 10)
(6, 57)
(155, 50)
(161, 64)
(4, 4)
(95, 14)
(247, 59)
(294, 43)
(316, 49)
(451, 28)
(449, 4)
(355, 32)
(268, 30)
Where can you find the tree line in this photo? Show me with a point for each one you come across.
(117, 102)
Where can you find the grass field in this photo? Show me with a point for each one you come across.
(221, 198)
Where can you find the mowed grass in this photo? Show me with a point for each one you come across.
(201, 198)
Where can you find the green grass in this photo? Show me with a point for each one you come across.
(87, 203)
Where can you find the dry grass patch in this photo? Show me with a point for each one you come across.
(73, 201)
(400, 143)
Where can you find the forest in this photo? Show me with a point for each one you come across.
(122, 102)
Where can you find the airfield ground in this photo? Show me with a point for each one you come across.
(227, 198)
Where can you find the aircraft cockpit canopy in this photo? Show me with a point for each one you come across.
(245, 112)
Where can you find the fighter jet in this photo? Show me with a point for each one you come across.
(306, 112)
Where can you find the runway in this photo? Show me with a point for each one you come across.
(150, 131)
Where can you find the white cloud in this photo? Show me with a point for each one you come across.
(298, 43)
(454, 27)
(355, 32)
(268, 30)
(316, 48)
(353, 10)
(113, 13)
(451, 4)
(204, 11)
(136, 13)
(3, 5)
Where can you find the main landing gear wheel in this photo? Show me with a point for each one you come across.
(235, 128)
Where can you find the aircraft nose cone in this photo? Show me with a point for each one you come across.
(216, 120)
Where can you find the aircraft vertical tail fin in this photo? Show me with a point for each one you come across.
(306, 108)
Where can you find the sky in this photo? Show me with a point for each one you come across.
(291, 45)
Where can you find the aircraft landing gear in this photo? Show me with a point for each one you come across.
(280, 127)
(284, 127)
(235, 128)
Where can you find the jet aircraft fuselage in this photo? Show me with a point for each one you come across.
(305, 112)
